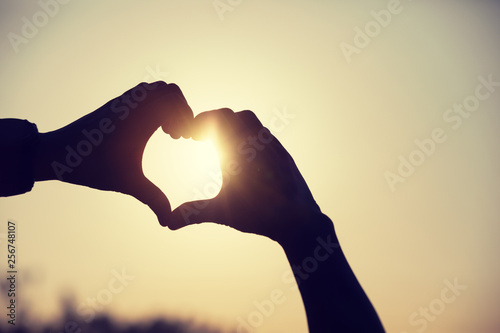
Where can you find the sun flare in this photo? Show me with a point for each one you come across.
(206, 157)
(184, 169)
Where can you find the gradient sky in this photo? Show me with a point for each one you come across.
(349, 121)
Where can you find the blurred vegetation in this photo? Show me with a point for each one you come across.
(106, 324)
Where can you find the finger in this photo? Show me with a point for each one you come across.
(215, 124)
(249, 120)
(149, 194)
(179, 125)
(183, 116)
(171, 108)
(224, 124)
(195, 212)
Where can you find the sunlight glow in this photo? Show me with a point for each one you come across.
(193, 168)
(344, 124)
(206, 159)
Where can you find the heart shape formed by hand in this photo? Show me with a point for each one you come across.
(104, 150)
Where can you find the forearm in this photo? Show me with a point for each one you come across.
(332, 296)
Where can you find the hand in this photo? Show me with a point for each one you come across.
(262, 192)
(103, 150)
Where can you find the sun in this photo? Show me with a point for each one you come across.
(184, 169)
(206, 158)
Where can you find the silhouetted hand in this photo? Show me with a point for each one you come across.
(262, 192)
(103, 150)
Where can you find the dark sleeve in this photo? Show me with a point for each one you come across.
(18, 140)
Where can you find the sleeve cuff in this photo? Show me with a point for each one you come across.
(18, 141)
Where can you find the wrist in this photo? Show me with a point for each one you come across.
(44, 156)
(305, 229)
(310, 242)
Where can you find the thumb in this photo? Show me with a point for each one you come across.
(196, 212)
(149, 194)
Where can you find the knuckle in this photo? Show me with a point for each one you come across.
(249, 118)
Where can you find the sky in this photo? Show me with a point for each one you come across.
(389, 108)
